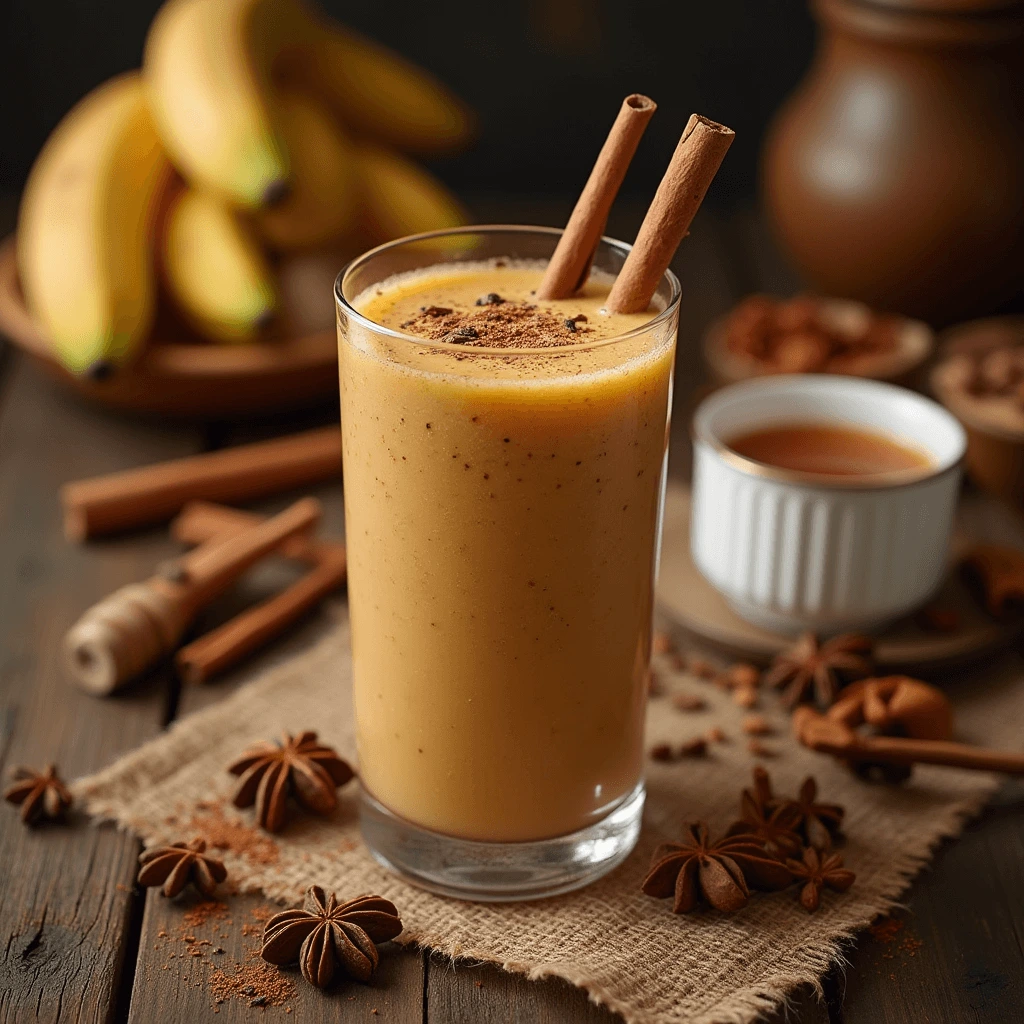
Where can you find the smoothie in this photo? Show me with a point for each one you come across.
(503, 462)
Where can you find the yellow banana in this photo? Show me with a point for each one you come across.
(401, 198)
(215, 269)
(378, 93)
(84, 238)
(321, 204)
(207, 66)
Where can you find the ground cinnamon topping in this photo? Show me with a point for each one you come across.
(498, 323)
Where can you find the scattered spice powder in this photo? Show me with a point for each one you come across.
(223, 833)
(253, 981)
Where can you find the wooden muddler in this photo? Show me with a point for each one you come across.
(135, 626)
(570, 264)
(153, 494)
(693, 167)
(222, 647)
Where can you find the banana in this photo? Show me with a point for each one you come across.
(378, 93)
(84, 245)
(322, 202)
(207, 66)
(215, 269)
(400, 197)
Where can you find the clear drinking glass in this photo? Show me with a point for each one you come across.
(502, 514)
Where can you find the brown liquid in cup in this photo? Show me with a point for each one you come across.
(829, 450)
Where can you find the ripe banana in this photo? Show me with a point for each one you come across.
(215, 269)
(84, 245)
(207, 66)
(378, 93)
(400, 197)
(321, 204)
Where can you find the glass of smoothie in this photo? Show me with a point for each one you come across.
(504, 466)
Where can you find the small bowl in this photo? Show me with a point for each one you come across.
(995, 426)
(792, 551)
(915, 344)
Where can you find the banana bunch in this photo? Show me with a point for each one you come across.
(256, 135)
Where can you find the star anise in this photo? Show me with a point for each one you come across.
(819, 823)
(40, 794)
(723, 873)
(809, 667)
(818, 871)
(299, 767)
(771, 821)
(176, 865)
(325, 935)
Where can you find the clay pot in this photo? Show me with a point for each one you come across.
(894, 174)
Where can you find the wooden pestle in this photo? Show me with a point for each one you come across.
(125, 633)
(831, 736)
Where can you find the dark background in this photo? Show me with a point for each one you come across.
(546, 76)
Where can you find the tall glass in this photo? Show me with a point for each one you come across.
(502, 511)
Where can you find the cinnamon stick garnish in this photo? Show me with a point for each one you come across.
(693, 167)
(570, 263)
(153, 494)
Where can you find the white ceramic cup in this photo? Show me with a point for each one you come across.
(792, 551)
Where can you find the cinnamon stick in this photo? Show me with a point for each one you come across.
(829, 736)
(153, 494)
(570, 264)
(222, 647)
(693, 167)
(219, 649)
(126, 632)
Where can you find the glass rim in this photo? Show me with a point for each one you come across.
(675, 295)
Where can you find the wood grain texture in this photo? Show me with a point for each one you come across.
(187, 982)
(66, 895)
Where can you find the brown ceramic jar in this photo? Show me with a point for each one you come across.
(895, 173)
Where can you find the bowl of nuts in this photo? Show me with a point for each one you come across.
(980, 378)
(765, 335)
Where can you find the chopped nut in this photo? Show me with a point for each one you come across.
(756, 725)
(662, 643)
(697, 747)
(687, 702)
(701, 668)
(662, 752)
(715, 735)
(758, 749)
(745, 696)
(743, 674)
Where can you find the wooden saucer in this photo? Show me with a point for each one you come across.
(187, 379)
(689, 600)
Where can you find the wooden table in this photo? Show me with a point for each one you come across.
(77, 938)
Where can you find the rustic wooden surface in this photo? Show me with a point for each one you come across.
(78, 942)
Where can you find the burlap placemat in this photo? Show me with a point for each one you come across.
(626, 949)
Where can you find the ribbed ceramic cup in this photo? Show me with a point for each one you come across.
(792, 551)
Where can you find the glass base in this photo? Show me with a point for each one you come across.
(501, 872)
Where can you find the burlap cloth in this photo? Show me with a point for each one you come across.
(626, 949)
